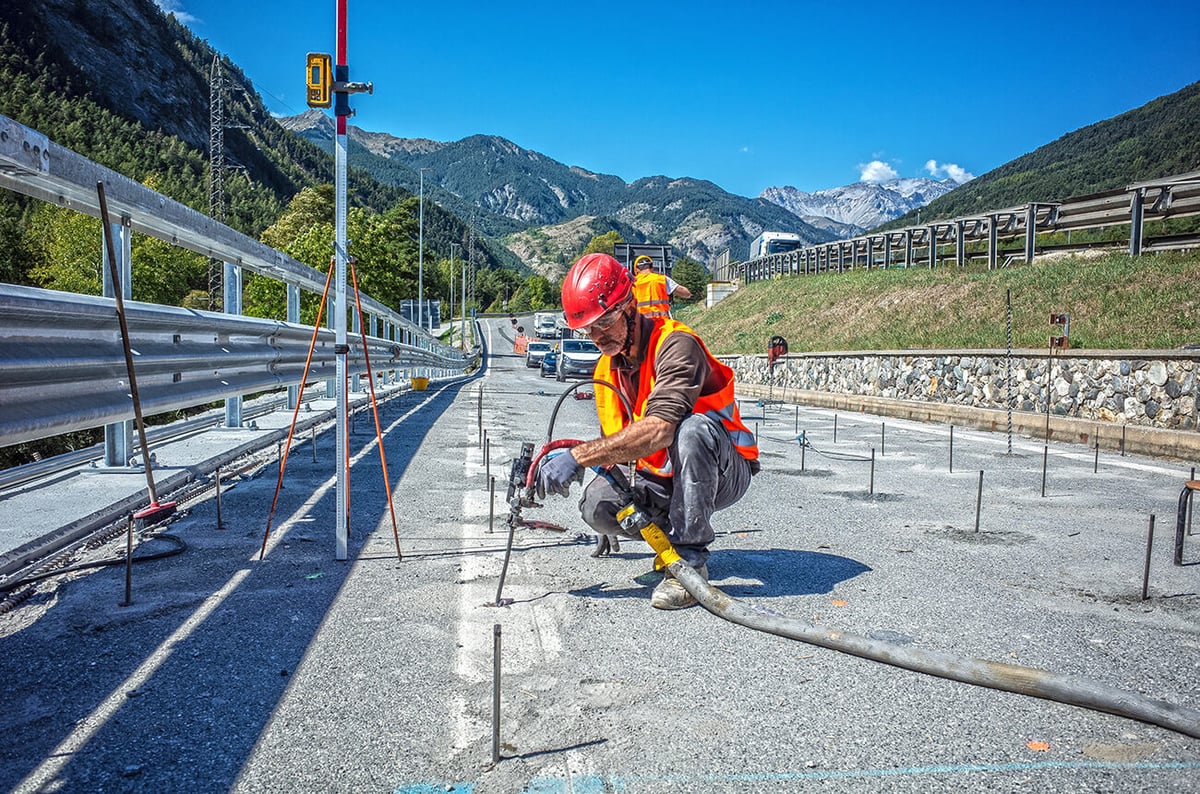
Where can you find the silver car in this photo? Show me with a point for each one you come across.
(535, 353)
(577, 358)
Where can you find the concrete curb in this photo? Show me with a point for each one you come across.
(1158, 442)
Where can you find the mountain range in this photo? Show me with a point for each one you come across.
(512, 191)
(861, 206)
(66, 73)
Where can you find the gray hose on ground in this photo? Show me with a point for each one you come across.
(1071, 690)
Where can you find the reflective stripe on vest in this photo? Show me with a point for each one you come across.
(650, 290)
(720, 405)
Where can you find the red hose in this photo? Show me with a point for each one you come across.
(550, 447)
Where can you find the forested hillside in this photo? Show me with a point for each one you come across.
(1160, 138)
(127, 86)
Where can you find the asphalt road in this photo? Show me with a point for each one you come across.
(300, 673)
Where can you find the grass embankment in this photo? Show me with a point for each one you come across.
(1115, 302)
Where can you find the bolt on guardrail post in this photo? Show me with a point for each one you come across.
(803, 447)
(487, 455)
(835, 428)
(1096, 460)
(1122, 440)
(871, 484)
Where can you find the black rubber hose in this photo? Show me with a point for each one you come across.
(180, 548)
(1031, 681)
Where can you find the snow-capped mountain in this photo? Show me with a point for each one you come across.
(863, 205)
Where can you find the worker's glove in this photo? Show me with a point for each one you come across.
(556, 473)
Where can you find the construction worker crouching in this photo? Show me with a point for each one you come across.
(693, 453)
(654, 291)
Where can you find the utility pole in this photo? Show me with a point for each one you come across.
(216, 167)
(464, 307)
(421, 255)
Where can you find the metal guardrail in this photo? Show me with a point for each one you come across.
(61, 362)
(62, 366)
(33, 165)
(1171, 197)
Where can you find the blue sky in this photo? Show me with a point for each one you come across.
(748, 94)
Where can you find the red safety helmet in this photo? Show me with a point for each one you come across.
(594, 285)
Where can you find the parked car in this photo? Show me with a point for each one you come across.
(535, 352)
(577, 358)
(550, 362)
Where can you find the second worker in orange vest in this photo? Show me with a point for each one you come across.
(653, 291)
(693, 453)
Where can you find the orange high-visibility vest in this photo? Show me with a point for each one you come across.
(719, 405)
(650, 291)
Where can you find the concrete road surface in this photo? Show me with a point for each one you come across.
(300, 673)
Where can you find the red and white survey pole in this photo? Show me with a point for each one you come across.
(321, 90)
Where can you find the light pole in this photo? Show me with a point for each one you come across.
(463, 326)
(421, 255)
(453, 246)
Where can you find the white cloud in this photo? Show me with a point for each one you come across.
(176, 7)
(954, 172)
(877, 171)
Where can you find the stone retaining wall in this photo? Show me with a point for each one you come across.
(1150, 388)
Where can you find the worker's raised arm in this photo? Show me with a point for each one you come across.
(637, 440)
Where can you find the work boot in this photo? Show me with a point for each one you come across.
(670, 594)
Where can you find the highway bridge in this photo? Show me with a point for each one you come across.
(224, 671)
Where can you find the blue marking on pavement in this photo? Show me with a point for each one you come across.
(599, 784)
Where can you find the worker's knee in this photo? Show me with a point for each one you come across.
(697, 434)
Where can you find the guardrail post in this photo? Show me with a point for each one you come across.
(118, 437)
(960, 244)
(1137, 215)
(932, 246)
(233, 305)
(1030, 233)
(293, 316)
(993, 241)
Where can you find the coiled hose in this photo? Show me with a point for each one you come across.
(1072, 690)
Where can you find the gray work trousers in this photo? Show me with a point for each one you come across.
(709, 474)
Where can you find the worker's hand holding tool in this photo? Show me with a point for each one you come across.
(556, 472)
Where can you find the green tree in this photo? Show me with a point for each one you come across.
(165, 273)
(692, 275)
(66, 248)
(539, 292)
(604, 243)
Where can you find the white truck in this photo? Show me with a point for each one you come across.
(545, 325)
(774, 243)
